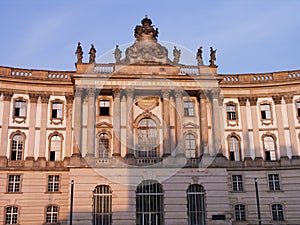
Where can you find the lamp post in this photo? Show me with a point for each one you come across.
(71, 202)
(257, 202)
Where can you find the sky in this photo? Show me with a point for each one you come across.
(251, 36)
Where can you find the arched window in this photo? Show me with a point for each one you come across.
(55, 148)
(149, 203)
(104, 145)
(102, 205)
(51, 214)
(234, 148)
(146, 138)
(11, 215)
(17, 146)
(277, 212)
(190, 146)
(269, 147)
(196, 205)
(240, 212)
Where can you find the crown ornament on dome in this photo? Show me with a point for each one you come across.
(146, 32)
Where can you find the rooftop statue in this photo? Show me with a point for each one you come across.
(117, 54)
(79, 54)
(176, 54)
(92, 54)
(199, 57)
(146, 31)
(212, 57)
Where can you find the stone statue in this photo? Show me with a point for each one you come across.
(176, 54)
(117, 54)
(146, 31)
(79, 54)
(212, 57)
(199, 57)
(92, 54)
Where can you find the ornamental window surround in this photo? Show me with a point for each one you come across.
(297, 104)
(11, 215)
(102, 205)
(277, 212)
(104, 107)
(55, 146)
(14, 183)
(190, 145)
(232, 113)
(17, 146)
(57, 111)
(196, 204)
(53, 183)
(234, 147)
(52, 214)
(240, 212)
(274, 182)
(269, 145)
(189, 108)
(266, 116)
(19, 110)
(104, 144)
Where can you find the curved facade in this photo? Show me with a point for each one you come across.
(148, 140)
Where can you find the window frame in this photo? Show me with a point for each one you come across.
(266, 135)
(269, 119)
(100, 213)
(279, 212)
(274, 182)
(56, 120)
(232, 122)
(14, 184)
(297, 101)
(189, 111)
(51, 214)
(52, 188)
(238, 138)
(17, 150)
(19, 118)
(241, 215)
(188, 156)
(237, 185)
(109, 107)
(198, 213)
(55, 133)
(108, 139)
(12, 213)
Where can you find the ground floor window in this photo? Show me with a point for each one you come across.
(196, 205)
(149, 203)
(11, 215)
(102, 205)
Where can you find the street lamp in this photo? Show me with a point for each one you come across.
(257, 202)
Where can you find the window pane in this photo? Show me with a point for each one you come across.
(196, 205)
(102, 205)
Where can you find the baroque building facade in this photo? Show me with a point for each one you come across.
(147, 140)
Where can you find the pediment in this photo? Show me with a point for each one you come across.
(190, 125)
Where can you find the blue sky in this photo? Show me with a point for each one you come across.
(250, 36)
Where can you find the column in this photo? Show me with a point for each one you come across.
(256, 139)
(68, 138)
(77, 122)
(216, 131)
(91, 123)
(179, 115)
(5, 122)
(117, 122)
(32, 123)
(129, 122)
(291, 120)
(244, 123)
(203, 123)
(166, 123)
(280, 126)
(43, 131)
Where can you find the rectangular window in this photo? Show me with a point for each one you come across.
(188, 108)
(231, 112)
(53, 183)
(274, 183)
(14, 183)
(104, 107)
(277, 212)
(265, 110)
(20, 108)
(298, 109)
(240, 212)
(57, 110)
(237, 182)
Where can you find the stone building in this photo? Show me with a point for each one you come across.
(148, 140)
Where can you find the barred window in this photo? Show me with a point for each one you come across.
(149, 203)
(53, 183)
(104, 106)
(14, 183)
(52, 214)
(234, 148)
(269, 146)
(231, 112)
(189, 108)
(277, 212)
(17, 147)
(20, 108)
(240, 212)
(102, 205)
(57, 110)
(104, 146)
(237, 182)
(11, 215)
(147, 138)
(274, 183)
(196, 205)
(190, 146)
(265, 110)
(55, 148)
